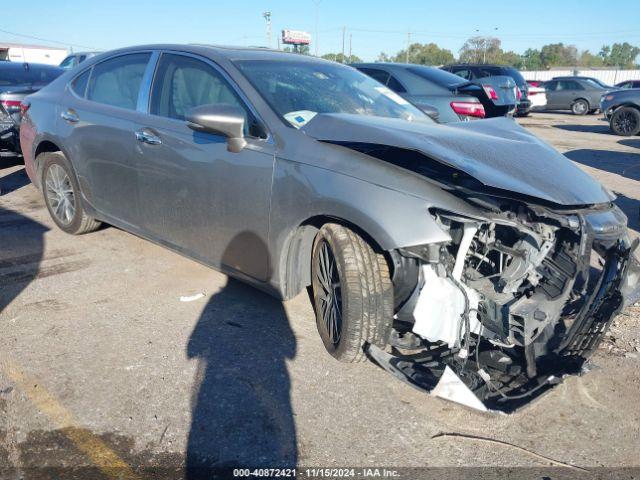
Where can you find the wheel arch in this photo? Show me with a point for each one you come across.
(44, 146)
(584, 99)
(298, 252)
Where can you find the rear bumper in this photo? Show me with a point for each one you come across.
(523, 107)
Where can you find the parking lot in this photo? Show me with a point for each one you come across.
(102, 363)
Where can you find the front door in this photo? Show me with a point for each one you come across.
(195, 194)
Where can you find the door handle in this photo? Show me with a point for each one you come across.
(70, 116)
(145, 136)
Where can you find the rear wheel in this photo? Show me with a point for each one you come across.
(625, 121)
(352, 293)
(62, 195)
(580, 107)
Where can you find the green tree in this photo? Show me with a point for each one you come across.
(302, 49)
(481, 50)
(558, 55)
(588, 59)
(425, 54)
(383, 57)
(340, 58)
(531, 59)
(622, 55)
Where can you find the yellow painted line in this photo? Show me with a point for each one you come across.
(98, 452)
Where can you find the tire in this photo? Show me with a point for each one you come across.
(358, 294)
(62, 195)
(580, 107)
(625, 121)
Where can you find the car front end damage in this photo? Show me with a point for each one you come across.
(514, 302)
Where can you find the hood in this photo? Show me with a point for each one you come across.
(496, 152)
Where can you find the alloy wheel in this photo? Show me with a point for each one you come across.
(60, 194)
(579, 108)
(330, 292)
(625, 122)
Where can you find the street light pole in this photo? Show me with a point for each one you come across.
(267, 17)
(317, 4)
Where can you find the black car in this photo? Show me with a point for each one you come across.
(628, 84)
(622, 110)
(481, 73)
(17, 80)
(441, 95)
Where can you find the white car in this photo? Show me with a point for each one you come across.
(538, 97)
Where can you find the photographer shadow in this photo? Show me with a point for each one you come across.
(241, 406)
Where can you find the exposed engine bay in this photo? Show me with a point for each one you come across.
(510, 305)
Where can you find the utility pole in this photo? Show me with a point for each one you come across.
(317, 4)
(344, 31)
(267, 17)
(406, 56)
(350, 45)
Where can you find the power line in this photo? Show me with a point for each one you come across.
(46, 40)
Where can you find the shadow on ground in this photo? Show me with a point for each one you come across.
(631, 208)
(242, 413)
(630, 142)
(625, 164)
(13, 181)
(585, 128)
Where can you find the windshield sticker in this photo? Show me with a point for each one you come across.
(392, 95)
(299, 118)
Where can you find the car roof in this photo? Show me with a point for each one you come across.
(390, 64)
(228, 52)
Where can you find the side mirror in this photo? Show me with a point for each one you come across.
(227, 120)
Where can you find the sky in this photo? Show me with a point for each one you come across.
(372, 26)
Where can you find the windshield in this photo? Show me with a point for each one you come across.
(596, 83)
(299, 90)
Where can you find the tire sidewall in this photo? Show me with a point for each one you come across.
(336, 350)
(57, 158)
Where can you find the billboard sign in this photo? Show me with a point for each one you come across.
(296, 37)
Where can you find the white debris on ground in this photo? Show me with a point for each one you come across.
(192, 298)
(623, 338)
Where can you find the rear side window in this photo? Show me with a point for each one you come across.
(79, 84)
(182, 83)
(491, 71)
(68, 62)
(117, 81)
(464, 73)
(395, 85)
(569, 85)
(378, 75)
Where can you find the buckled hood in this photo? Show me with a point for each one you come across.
(496, 152)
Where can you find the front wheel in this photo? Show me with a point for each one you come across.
(580, 107)
(625, 121)
(352, 293)
(62, 195)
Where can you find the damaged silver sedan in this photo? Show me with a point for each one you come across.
(471, 260)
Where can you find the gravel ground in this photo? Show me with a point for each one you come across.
(102, 363)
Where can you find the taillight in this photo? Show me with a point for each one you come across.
(11, 106)
(471, 109)
(24, 106)
(518, 93)
(491, 93)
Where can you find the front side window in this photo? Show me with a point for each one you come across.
(298, 90)
(117, 81)
(378, 75)
(182, 83)
(395, 85)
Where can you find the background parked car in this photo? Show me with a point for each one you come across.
(628, 84)
(75, 59)
(17, 80)
(622, 109)
(582, 77)
(537, 97)
(580, 95)
(495, 81)
(427, 88)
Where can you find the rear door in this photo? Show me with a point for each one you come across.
(98, 117)
(566, 92)
(195, 194)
